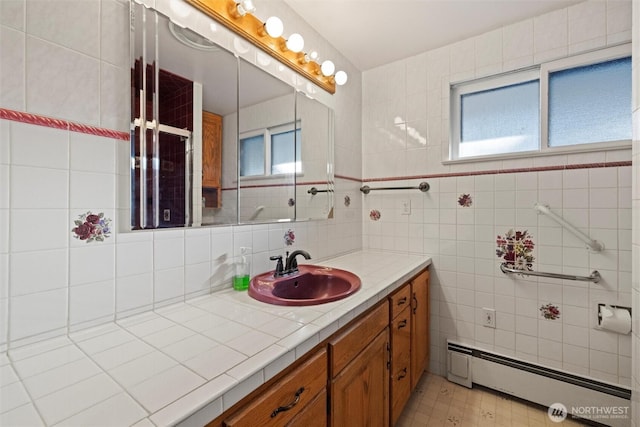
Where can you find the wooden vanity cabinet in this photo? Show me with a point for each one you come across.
(400, 326)
(359, 362)
(362, 375)
(211, 159)
(298, 399)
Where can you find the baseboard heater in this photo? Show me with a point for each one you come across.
(586, 398)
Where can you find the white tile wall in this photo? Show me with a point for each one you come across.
(462, 240)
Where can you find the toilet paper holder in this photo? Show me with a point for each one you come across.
(610, 306)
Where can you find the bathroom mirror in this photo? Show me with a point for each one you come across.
(314, 186)
(269, 147)
(197, 110)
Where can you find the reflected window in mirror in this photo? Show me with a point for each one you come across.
(272, 151)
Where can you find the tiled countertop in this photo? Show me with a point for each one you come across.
(185, 363)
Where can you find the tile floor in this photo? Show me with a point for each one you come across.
(438, 402)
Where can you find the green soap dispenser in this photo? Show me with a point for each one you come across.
(243, 271)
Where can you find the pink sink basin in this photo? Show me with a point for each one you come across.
(312, 285)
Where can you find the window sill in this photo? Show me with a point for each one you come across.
(560, 151)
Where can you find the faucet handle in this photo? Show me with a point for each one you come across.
(279, 267)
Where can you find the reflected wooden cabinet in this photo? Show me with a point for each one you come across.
(211, 159)
(359, 369)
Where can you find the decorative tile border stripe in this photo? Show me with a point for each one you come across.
(502, 171)
(348, 178)
(35, 119)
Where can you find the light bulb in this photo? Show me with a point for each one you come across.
(327, 68)
(245, 6)
(274, 27)
(313, 55)
(341, 78)
(295, 43)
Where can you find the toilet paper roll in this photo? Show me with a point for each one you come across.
(615, 320)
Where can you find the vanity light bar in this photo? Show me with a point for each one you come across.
(252, 29)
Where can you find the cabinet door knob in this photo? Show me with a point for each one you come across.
(415, 306)
(293, 403)
(402, 300)
(402, 323)
(403, 374)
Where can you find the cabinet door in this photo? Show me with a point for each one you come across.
(400, 362)
(419, 326)
(360, 393)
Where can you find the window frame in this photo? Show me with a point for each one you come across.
(541, 73)
(266, 135)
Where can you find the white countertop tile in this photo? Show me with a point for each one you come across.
(252, 342)
(142, 368)
(183, 363)
(13, 396)
(226, 331)
(7, 375)
(215, 361)
(71, 400)
(61, 377)
(118, 410)
(207, 396)
(100, 343)
(168, 336)
(42, 362)
(25, 415)
(189, 347)
(121, 354)
(166, 387)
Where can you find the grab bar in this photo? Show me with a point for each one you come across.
(424, 187)
(313, 191)
(594, 245)
(594, 277)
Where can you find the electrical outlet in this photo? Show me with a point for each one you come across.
(166, 215)
(406, 207)
(489, 317)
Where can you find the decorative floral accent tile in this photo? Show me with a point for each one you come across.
(374, 215)
(347, 201)
(550, 311)
(465, 200)
(92, 227)
(516, 249)
(291, 202)
(289, 237)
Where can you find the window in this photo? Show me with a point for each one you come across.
(577, 103)
(272, 151)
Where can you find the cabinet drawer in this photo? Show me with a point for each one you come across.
(344, 347)
(314, 414)
(400, 300)
(401, 339)
(286, 398)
